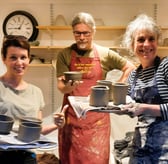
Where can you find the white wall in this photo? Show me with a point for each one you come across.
(112, 12)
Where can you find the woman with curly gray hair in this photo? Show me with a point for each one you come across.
(149, 88)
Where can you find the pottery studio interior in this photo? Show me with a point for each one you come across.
(52, 32)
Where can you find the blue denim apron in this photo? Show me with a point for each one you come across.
(150, 143)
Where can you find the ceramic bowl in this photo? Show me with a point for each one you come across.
(6, 124)
(29, 132)
(73, 75)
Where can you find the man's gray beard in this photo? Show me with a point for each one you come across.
(82, 46)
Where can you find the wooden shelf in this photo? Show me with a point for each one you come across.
(51, 48)
(40, 65)
(56, 48)
(47, 47)
(54, 27)
(97, 28)
(163, 48)
(70, 28)
(164, 28)
(51, 52)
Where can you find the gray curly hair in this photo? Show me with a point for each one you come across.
(85, 18)
(141, 22)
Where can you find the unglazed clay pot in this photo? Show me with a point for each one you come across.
(119, 93)
(73, 75)
(6, 124)
(106, 83)
(29, 132)
(99, 96)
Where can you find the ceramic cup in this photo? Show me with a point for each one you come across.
(119, 93)
(29, 131)
(99, 96)
(106, 83)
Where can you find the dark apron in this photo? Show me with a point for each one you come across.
(150, 132)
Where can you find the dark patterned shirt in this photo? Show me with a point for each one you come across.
(145, 78)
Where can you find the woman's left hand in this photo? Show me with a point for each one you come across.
(133, 109)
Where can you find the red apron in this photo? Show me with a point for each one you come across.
(85, 141)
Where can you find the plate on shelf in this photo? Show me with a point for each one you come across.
(60, 21)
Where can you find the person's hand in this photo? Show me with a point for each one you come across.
(67, 86)
(59, 118)
(73, 84)
(132, 109)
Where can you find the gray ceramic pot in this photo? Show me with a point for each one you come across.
(106, 83)
(73, 75)
(6, 124)
(99, 96)
(29, 132)
(119, 93)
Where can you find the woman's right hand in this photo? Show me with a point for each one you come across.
(59, 118)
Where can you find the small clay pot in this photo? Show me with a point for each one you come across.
(106, 83)
(99, 96)
(73, 75)
(29, 132)
(119, 93)
(6, 124)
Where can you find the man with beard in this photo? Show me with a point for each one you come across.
(86, 140)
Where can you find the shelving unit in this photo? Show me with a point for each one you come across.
(49, 52)
(52, 51)
(69, 28)
(40, 65)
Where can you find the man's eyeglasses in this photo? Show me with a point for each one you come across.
(84, 33)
